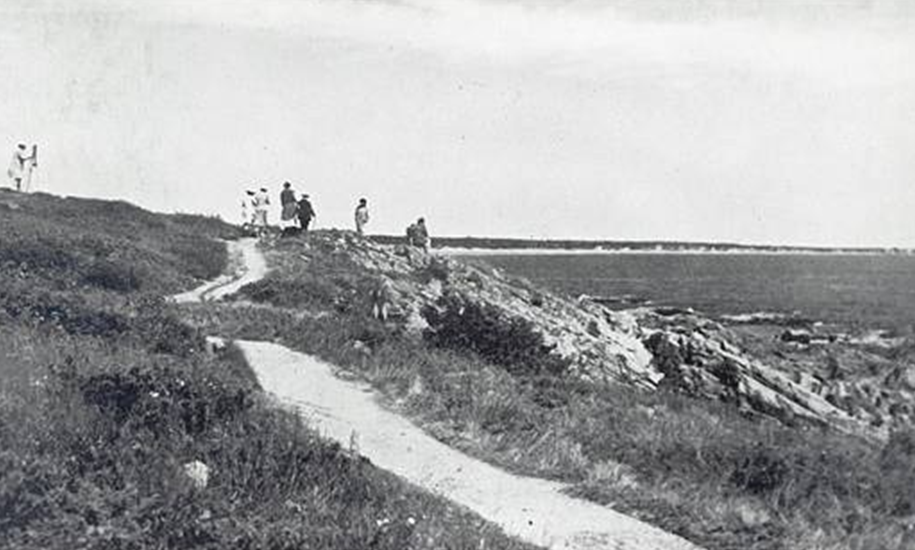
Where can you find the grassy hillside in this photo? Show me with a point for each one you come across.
(698, 468)
(107, 396)
(86, 243)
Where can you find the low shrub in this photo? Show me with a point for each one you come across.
(483, 329)
(435, 270)
(199, 257)
(109, 275)
(898, 474)
(37, 253)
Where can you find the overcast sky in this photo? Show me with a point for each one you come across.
(766, 121)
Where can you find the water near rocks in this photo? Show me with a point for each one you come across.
(866, 290)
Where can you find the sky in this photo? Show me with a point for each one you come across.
(750, 121)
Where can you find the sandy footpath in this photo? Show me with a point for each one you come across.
(532, 509)
(248, 266)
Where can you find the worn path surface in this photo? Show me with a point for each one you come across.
(531, 509)
(247, 265)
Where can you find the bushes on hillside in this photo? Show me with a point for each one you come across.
(483, 329)
(343, 293)
(198, 257)
(109, 275)
(898, 473)
(64, 243)
(36, 254)
(149, 323)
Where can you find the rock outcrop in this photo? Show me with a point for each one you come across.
(648, 348)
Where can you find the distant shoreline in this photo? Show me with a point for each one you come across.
(458, 251)
(481, 246)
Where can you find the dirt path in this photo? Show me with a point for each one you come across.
(246, 265)
(531, 509)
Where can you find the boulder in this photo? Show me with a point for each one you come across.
(197, 473)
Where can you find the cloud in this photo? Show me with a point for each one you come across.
(577, 38)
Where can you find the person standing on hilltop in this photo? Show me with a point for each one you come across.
(261, 203)
(288, 202)
(289, 208)
(305, 212)
(22, 164)
(362, 216)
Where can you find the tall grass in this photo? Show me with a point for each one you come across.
(112, 246)
(93, 454)
(107, 394)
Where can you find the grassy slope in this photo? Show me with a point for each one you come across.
(697, 468)
(105, 394)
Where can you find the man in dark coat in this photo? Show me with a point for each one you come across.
(305, 212)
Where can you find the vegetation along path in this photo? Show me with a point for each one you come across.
(532, 509)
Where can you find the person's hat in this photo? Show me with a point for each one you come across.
(250, 192)
(264, 189)
(305, 195)
(22, 145)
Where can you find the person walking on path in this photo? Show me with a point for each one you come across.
(261, 203)
(305, 213)
(362, 216)
(21, 165)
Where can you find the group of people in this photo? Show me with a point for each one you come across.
(22, 165)
(297, 214)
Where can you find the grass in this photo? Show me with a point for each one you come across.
(94, 449)
(697, 468)
(107, 394)
(84, 243)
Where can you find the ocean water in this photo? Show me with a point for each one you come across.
(863, 290)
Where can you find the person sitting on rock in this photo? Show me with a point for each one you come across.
(411, 235)
(421, 235)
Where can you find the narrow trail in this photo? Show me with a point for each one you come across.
(531, 509)
(247, 265)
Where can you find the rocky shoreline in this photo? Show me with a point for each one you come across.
(775, 366)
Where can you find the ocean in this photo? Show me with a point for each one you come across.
(875, 291)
